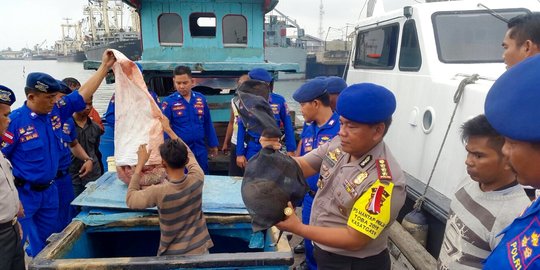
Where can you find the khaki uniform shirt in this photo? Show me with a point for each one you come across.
(365, 195)
(9, 198)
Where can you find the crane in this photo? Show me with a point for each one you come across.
(37, 47)
(300, 31)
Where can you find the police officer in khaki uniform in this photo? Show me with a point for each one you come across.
(361, 186)
(11, 246)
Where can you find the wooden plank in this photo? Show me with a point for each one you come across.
(415, 253)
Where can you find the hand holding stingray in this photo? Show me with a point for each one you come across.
(271, 179)
(136, 122)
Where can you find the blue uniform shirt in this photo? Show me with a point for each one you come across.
(109, 114)
(283, 119)
(69, 134)
(38, 140)
(520, 246)
(190, 120)
(314, 136)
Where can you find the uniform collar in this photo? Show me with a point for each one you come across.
(32, 114)
(334, 120)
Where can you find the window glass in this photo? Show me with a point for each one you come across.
(234, 29)
(410, 58)
(471, 36)
(376, 48)
(170, 29)
(202, 24)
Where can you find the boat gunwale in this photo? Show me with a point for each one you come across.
(61, 242)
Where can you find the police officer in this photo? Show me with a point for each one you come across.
(512, 109)
(36, 146)
(320, 126)
(334, 85)
(190, 119)
(279, 108)
(11, 246)
(63, 181)
(361, 186)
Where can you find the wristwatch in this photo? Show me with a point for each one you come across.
(91, 159)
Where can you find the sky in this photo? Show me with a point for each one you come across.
(24, 23)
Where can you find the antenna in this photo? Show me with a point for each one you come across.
(321, 14)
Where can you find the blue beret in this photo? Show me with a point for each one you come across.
(6, 96)
(366, 103)
(64, 89)
(42, 82)
(335, 84)
(310, 90)
(260, 74)
(139, 66)
(512, 103)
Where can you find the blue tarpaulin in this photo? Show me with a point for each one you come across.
(221, 194)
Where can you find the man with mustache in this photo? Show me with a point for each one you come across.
(361, 187)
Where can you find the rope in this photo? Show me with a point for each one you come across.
(457, 98)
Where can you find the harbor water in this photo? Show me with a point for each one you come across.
(13, 75)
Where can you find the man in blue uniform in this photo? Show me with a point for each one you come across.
(36, 145)
(190, 118)
(320, 126)
(279, 108)
(334, 85)
(63, 180)
(512, 109)
(11, 246)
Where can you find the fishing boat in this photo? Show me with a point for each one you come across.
(219, 41)
(440, 59)
(106, 235)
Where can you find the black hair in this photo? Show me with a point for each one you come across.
(480, 127)
(386, 123)
(324, 99)
(174, 153)
(255, 87)
(525, 27)
(181, 70)
(71, 82)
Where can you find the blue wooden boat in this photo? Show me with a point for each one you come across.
(107, 235)
(219, 40)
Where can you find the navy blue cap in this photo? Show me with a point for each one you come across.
(366, 103)
(335, 84)
(42, 82)
(310, 90)
(260, 74)
(512, 103)
(64, 88)
(139, 66)
(6, 96)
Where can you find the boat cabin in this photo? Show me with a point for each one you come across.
(218, 40)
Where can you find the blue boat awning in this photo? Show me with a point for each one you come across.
(207, 66)
(221, 194)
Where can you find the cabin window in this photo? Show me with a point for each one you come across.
(170, 29)
(202, 24)
(471, 36)
(376, 48)
(234, 31)
(410, 58)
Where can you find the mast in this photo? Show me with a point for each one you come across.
(105, 14)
